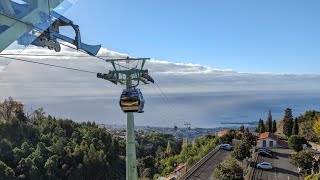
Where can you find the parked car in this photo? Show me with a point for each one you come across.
(265, 149)
(265, 154)
(264, 165)
(227, 147)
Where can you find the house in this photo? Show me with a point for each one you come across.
(224, 132)
(221, 133)
(181, 169)
(178, 172)
(270, 140)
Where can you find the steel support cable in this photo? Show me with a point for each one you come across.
(106, 60)
(166, 103)
(56, 55)
(51, 65)
(165, 96)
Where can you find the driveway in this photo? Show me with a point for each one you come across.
(282, 167)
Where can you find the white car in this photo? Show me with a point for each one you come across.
(264, 165)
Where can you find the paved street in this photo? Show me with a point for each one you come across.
(205, 171)
(282, 168)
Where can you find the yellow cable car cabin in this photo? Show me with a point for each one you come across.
(131, 101)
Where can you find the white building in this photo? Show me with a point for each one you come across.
(270, 140)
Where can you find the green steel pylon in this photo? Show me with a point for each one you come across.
(127, 77)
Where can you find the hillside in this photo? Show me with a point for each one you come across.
(37, 146)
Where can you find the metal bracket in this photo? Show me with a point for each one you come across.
(50, 36)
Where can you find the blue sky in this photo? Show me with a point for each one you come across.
(247, 35)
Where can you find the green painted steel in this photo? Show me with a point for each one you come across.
(131, 166)
(131, 78)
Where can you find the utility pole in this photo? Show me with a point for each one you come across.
(128, 77)
(188, 127)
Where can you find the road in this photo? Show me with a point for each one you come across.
(206, 170)
(282, 168)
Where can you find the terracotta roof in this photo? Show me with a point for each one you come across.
(181, 168)
(223, 132)
(269, 135)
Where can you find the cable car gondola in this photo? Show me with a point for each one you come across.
(131, 100)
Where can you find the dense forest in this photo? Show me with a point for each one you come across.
(36, 146)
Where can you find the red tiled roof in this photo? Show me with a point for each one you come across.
(223, 132)
(269, 135)
(181, 167)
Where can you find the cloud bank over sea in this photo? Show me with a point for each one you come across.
(200, 94)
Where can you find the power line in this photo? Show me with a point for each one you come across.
(52, 65)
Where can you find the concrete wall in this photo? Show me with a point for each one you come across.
(260, 143)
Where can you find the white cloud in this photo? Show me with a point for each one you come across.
(198, 92)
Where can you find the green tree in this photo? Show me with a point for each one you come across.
(6, 152)
(28, 169)
(242, 128)
(241, 150)
(313, 177)
(304, 160)
(229, 170)
(248, 137)
(316, 126)
(274, 126)
(288, 122)
(295, 143)
(261, 126)
(6, 172)
(269, 122)
(52, 167)
(169, 151)
(295, 129)
(306, 123)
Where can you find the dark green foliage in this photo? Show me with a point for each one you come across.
(306, 123)
(241, 150)
(189, 154)
(6, 172)
(295, 129)
(304, 159)
(158, 146)
(228, 170)
(261, 127)
(295, 142)
(232, 134)
(248, 137)
(46, 148)
(274, 126)
(149, 144)
(288, 122)
(269, 122)
(242, 128)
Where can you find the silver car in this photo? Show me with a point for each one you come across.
(264, 165)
